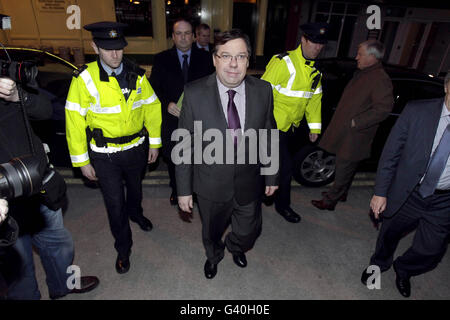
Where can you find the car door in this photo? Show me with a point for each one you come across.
(404, 90)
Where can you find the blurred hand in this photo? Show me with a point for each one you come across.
(378, 205)
(186, 203)
(8, 90)
(89, 172)
(173, 109)
(270, 190)
(3, 210)
(313, 137)
(153, 155)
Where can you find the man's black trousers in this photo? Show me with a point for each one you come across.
(115, 172)
(246, 224)
(288, 147)
(431, 218)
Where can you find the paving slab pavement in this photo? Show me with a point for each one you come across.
(321, 257)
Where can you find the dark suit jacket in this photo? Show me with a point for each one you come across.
(220, 182)
(167, 81)
(210, 46)
(406, 152)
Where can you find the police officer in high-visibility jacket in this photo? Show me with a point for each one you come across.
(297, 92)
(113, 127)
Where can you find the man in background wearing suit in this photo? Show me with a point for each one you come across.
(202, 35)
(172, 69)
(412, 190)
(225, 100)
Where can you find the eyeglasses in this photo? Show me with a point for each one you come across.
(240, 58)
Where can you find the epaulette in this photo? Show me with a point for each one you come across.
(282, 55)
(77, 72)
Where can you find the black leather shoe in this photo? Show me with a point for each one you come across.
(173, 199)
(403, 284)
(343, 198)
(240, 260)
(185, 216)
(122, 265)
(143, 222)
(268, 201)
(290, 215)
(210, 270)
(322, 205)
(87, 283)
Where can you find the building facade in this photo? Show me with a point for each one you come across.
(415, 37)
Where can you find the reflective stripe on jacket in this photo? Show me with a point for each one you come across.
(292, 78)
(97, 101)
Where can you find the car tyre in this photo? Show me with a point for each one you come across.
(314, 167)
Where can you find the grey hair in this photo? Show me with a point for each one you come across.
(375, 48)
(447, 78)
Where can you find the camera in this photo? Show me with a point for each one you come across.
(23, 72)
(20, 177)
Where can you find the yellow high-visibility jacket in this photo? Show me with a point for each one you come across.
(97, 101)
(297, 90)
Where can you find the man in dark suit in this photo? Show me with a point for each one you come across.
(412, 190)
(202, 36)
(227, 188)
(172, 69)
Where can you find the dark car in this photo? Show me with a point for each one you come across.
(53, 79)
(313, 166)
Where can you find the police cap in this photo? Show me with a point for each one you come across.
(315, 31)
(108, 35)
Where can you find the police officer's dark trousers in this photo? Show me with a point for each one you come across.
(114, 172)
(287, 153)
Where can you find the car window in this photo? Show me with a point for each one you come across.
(407, 90)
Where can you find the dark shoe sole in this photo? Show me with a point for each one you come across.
(343, 198)
(318, 205)
(143, 227)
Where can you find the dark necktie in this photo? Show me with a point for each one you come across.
(233, 116)
(185, 67)
(437, 164)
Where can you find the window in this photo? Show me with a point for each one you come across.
(137, 14)
(342, 18)
(187, 9)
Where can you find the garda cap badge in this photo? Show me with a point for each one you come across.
(113, 34)
(322, 30)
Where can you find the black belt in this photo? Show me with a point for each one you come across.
(101, 141)
(441, 191)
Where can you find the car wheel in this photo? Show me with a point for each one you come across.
(314, 167)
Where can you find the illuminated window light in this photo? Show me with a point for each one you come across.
(169, 3)
(136, 2)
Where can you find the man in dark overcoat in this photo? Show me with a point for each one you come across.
(366, 101)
